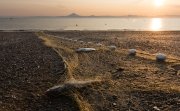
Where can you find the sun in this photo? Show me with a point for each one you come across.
(158, 3)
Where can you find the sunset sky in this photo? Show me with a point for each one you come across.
(89, 7)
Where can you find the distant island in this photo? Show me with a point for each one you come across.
(125, 16)
(73, 15)
(77, 15)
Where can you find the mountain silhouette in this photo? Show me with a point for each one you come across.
(73, 15)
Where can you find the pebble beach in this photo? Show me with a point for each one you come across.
(105, 79)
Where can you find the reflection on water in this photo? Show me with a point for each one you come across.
(89, 23)
(156, 24)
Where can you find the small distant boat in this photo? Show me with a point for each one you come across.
(10, 18)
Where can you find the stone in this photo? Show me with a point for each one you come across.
(85, 50)
(132, 52)
(114, 104)
(178, 73)
(112, 47)
(99, 44)
(156, 108)
(160, 57)
(81, 41)
(89, 42)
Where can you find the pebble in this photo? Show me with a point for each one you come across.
(132, 52)
(81, 41)
(112, 47)
(178, 73)
(89, 42)
(99, 44)
(13, 96)
(85, 49)
(114, 104)
(160, 57)
(156, 108)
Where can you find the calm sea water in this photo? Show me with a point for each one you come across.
(61, 23)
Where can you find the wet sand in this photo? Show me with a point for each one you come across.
(127, 83)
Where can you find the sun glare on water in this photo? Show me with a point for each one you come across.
(158, 3)
(156, 24)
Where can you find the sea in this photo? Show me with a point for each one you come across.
(90, 23)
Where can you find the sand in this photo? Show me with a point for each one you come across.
(27, 69)
(124, 82)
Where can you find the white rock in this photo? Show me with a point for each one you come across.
(99, 44)
(89, 42)
(156, 108)
(114, 104)
(112, 47)
(69, 39)
(85, 49)
(81, 41)
(160, 57)
(132, 52)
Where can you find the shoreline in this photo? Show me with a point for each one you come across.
(109, 30)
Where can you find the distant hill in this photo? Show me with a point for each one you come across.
(73, 15)
(125, 16)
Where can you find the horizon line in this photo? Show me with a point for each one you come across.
(92, 16)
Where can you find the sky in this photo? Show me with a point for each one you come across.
(89, 7)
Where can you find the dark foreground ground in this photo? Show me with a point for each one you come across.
(29, 66)
(27, 69)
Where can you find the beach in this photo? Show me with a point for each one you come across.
(28, 69)
(101, 80)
